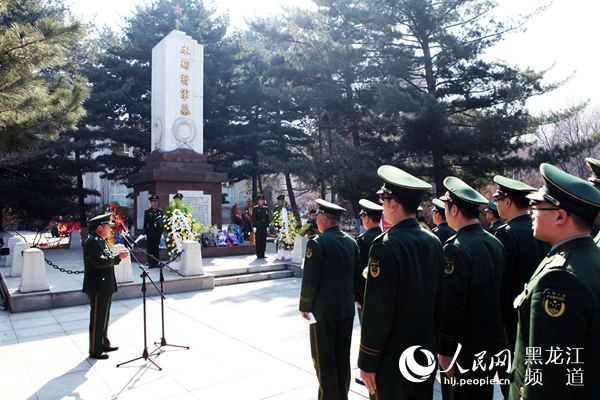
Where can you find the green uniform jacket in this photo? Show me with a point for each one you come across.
(443, 232)
(153, 221)
(260, 217)
(523, 255)
(494, 226)
(330, 265)
(469, 301)
(99, 261)
(405, 269)
(560, 309)
(595, 229)
(364, 245)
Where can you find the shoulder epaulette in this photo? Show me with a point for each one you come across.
(451, 238)
(503, 226)
(558, 260)
(380, 236)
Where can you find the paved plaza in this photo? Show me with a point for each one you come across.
(247, 342)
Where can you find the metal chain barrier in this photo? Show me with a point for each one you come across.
(68, 271)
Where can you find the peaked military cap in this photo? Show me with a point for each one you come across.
(511, 187)
(461, 192)
(101, 219)
(492, 207)
(260, 196)
(419, 208)
(281, 197)
(370, 208)
(594, 166)
(399, 183)
(178, 196)
(153, 197)
(568, 192)
(438, 205)
(328, 207)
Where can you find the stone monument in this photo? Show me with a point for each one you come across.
(177, 163)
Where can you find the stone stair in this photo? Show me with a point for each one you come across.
(252, 274)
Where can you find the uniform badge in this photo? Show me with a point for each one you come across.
(308, 253)
(374, 267)
(554, 303)
(449, 267)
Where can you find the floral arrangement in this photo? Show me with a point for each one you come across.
(284, 223)
(179, 225)
(119, 216)
(213, 236)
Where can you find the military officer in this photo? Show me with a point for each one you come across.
(404, 270)
(469, 302)
(492, 217)
(178, 196)
(330, 266)
(99, 283)
(370, 216)
(442, 230)
(594, 166)
(523, 251)
(153, 229)
(260, 220)
(559, 309)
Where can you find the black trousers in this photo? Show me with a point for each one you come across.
(99, 316)
(330, 350)
(472, 391)
(261, 242)
(152, 244)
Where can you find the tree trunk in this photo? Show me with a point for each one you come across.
(260, 187)
(438, 172)
(292, 196)
(254, 192)
(80, 193)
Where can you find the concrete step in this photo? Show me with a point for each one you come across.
(253, 277)
(219, 272)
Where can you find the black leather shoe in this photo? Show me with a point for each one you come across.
(110, 348)
(99, 356)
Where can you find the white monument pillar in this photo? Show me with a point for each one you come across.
(177, 94)
(33, 276)
(123, 271)
(17, 262)
(11, 244)
(191, 259)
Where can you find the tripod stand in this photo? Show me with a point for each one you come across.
(163, 341)
(145, 354)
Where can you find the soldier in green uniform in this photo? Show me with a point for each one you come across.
(330, 266)
(260, 221)
(523, 251)
(492, 217)
(469, 301)
(594, 166)
(153, 229)
(370, 216)
(99, 283)
(404, 270)
(442, 230)
(558, 346)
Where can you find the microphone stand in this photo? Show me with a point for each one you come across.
(163, 341)
(144, 275)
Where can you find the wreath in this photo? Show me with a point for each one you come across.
(284, 223)
(179, 226)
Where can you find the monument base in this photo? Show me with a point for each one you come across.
(243, 249)
(180, 171)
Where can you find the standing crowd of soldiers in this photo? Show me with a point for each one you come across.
(520, 301)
